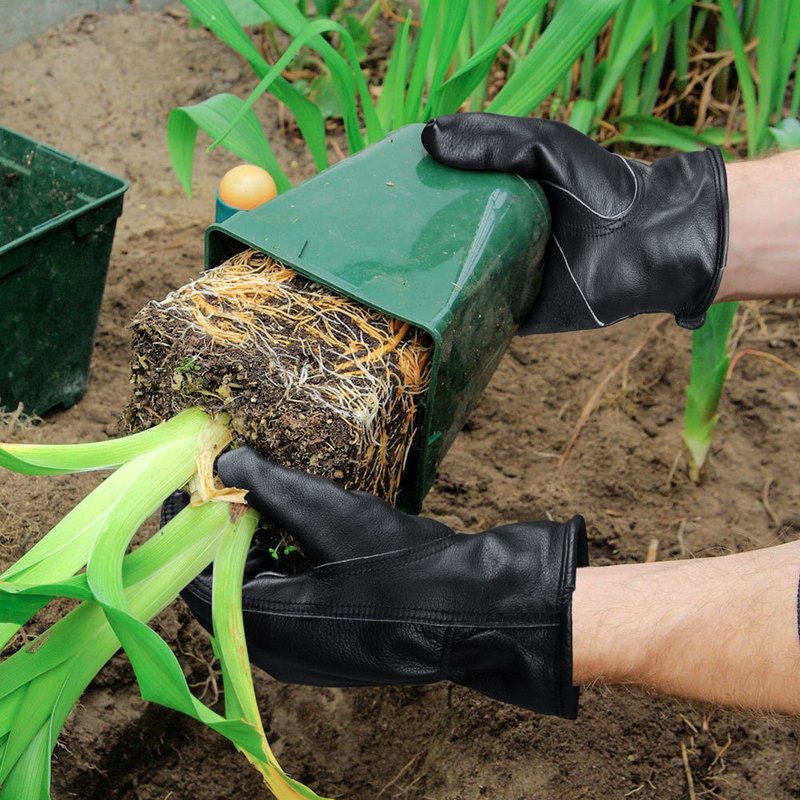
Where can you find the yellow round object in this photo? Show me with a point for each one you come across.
(246, 187)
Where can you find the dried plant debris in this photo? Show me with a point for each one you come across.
(312, 379)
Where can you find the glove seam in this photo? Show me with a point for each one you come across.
(447, 649)
(599, 322)
(421, 616)
(595, 231)
(613, 217)
(365, 566)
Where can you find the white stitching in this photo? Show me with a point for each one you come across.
(569, 270)
(375, 556)
(588, 207)
(487, 623)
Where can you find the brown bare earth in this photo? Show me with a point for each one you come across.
(100, 88)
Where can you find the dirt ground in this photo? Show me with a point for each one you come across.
(100, 88)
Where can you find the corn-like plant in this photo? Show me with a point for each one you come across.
(708, 371)
(567, 59)
(118, 594)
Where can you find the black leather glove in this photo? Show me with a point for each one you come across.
(627, 238)
(398, 599)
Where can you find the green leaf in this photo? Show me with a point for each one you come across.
(212, 116)
(680, 47)
(348, 78)
(153, 572)
(430, 27)
(230, 647)
(707, 379)
(453, 16)
(769, 21)
(29, 731)
(457, 88)
(788, 56)
(630, 43)
(390, 104)
(653, 71)
(41, 682)
(660, 21)
(29, 779)
(57, 459)
(575, 24)
(730, 24)
(339, 74)
(158, 474)
(398, 86)
(360, 33)
(322, 93)
(582, 115)
(53, 671)
(326, 7)
(142, 483)
(216, 16)
(655, 132)
(247, 13)
(787, 134)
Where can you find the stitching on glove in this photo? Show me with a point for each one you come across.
(393, 612)
(566, 566)
(366, 564)
(447, 649)
(433, 619)
(569, 270)
(592, 210)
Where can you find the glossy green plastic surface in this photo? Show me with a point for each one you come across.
(453, 252)
(57, 220)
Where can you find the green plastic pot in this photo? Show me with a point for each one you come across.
(57, 220)
(456, 253)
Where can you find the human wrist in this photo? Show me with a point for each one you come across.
(611, 645)
(764, 239)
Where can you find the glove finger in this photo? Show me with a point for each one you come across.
(542, 149)
(331, 523)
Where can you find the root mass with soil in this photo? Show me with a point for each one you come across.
(313, 380)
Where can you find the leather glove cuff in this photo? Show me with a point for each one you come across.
(525, 658)
(699, 181)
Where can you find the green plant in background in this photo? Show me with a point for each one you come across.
(708, 371)
(623, 71)
(437, 65)
(118, 594)
(567, 59)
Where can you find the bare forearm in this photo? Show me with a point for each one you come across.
(764, 242)
(717, 629)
